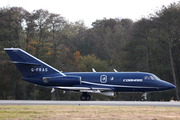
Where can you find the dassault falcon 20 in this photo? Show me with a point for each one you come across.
(37, 72)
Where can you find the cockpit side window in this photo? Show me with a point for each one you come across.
(149, 78)
(146, 77)
(152, 78)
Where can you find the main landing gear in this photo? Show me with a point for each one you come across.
(144, 97)
(85, 96)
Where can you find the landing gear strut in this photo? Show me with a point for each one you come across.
(144, 97)
(85, 96)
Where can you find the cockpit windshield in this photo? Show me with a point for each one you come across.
(151, 77)
(156, 77)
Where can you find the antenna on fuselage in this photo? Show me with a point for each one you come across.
(93, 70)
(115, 70)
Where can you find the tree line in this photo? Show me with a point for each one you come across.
(148, 44)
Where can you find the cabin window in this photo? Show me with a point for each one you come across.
(111, 78)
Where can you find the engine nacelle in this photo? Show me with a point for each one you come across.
(63, 80)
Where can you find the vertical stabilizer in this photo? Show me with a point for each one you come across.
(29, 65)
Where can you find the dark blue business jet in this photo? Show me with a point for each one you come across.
(37, 72)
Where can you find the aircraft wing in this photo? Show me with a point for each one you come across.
(86, 89)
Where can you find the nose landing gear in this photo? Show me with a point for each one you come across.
(144, 97)
(85, 96)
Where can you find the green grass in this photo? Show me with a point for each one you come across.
(29, 112)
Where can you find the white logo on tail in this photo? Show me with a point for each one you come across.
(39, 69)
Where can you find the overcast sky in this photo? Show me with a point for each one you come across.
(91, 10)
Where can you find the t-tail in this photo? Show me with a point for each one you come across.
(29, 65)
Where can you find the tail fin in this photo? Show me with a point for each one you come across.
(29, 65)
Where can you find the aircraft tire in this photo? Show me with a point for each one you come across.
(85, 97)
(88, 97)
(143, 99)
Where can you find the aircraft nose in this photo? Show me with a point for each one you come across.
(166, 85)
(170, 86)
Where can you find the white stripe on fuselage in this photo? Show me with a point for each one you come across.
(108, 85)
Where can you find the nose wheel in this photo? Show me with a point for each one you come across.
(144, 97)
(85, 97)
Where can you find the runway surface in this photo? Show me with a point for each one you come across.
(97, 103)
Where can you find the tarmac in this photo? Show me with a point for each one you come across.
(88, 103)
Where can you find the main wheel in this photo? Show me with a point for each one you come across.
(85, 97)
(88, 97)
(142, 99)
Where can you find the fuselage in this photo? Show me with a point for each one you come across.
(116, 81)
